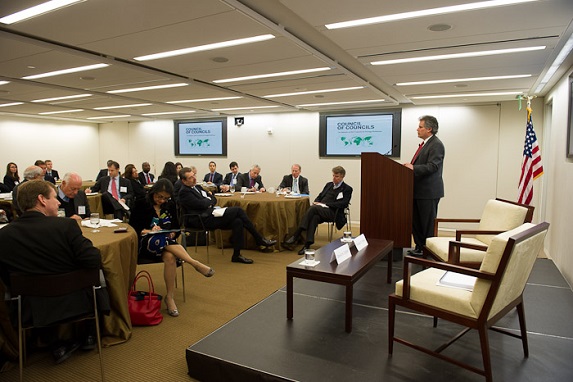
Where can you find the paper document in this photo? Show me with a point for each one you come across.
(457, 280)
(218, 212)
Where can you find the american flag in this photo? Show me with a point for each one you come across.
(531, 167)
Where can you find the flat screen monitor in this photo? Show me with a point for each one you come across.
(348, 134)
(201, 137)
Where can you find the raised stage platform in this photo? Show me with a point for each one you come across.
(262, 345)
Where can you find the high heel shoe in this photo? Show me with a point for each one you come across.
(210, 273)
(172, 313)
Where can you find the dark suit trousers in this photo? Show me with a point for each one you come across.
(235, 219)
(313, 217)
(425, 211)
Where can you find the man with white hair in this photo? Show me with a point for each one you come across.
(72, 198)
(252, 180)
(31, 173)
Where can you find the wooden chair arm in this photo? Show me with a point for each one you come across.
(407, 272)
(461, 232)
(454, 250)
(451, 220)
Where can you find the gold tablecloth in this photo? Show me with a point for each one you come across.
(119, 260)
(95, 204)
(273, 216)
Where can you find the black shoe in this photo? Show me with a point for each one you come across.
(64, 352)
(415, 252)
(267, 242)
(241, 259)
(301, 252)
(89, 343)
(290, 241)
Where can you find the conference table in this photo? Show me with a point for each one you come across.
(274, 217)
(119, 262)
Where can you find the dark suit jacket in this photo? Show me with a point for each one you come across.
(302, 183)
(142, 179)
(103, 172)
(138, 189)
(228, 177)
(243, 180)
(15, 206)
(217, 178)
(9, 182)
(56, 246)
(193, 202)
(4, 188)
(79, 200)
(428, 166)
(339, 204)
(55, 175)
(102, 185)
(49, 178)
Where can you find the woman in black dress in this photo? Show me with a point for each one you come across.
(151, 218)
(11, 179)
(133, 177)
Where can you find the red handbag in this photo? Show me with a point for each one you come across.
(144, 307)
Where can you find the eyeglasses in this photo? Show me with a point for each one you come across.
(161, 197)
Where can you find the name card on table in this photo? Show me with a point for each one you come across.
(341, 254)
(360, 242)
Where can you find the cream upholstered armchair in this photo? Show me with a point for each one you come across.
(498, 289)
(498, 216)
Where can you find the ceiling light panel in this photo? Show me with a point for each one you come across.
(37, 10)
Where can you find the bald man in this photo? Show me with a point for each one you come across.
(72, 198)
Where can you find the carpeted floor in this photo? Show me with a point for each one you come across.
(158, 353)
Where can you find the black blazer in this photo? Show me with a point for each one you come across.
(73, 209)
(229, 176)
(302, 183)
(428, 167)
(102, 185)
(339, 204)
(49, 178)
(103, 172)
(243, 180)
(10, 182)
(193, 202)
(138, 189)
(142, 215)
(142, 179)
(217, 178)
(57, 246)
(55, 175)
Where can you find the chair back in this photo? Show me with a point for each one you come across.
(25, 284)
(502, 215)
(510, 256)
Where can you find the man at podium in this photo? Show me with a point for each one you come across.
(427, 164)
(328, 206)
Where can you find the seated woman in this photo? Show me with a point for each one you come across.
(153, 214)
(132, 175)
(11, 179)
(169, 172)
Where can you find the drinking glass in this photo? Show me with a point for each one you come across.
(309, 254)
(94, 219)
(287, 190)
(232, 189)
(347, 236)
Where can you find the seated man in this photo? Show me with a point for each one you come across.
(52, 245)
(328, 206)
(145, 177)
(30, 173)
(72, 198)
(213, 177)
(50, 170)
(296, 182)
(252, 180)
(198, 203)
(231, 177)
(40, 163)
(114, 189)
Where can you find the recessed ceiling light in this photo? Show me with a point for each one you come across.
(110, 116)
(425, 12)
(148, 88)
(122, 106)
(458, 55)
(341, 103)
(313, 92)
(60, 98)
(466, 95)
(268, 75)
(244, 108)
(470, 79)
(202, 48)
(87, 78)
(61, 112)
(170, 112)
(65, 71)
(37, 10)
(439, 27)
(203, 100)
(11, 104)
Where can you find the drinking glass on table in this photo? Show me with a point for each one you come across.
(94, 219)
(232, 188)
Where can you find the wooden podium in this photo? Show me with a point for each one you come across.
(386, 200)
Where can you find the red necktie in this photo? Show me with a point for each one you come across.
(114, 189)
(148, 178)
(417, 152)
